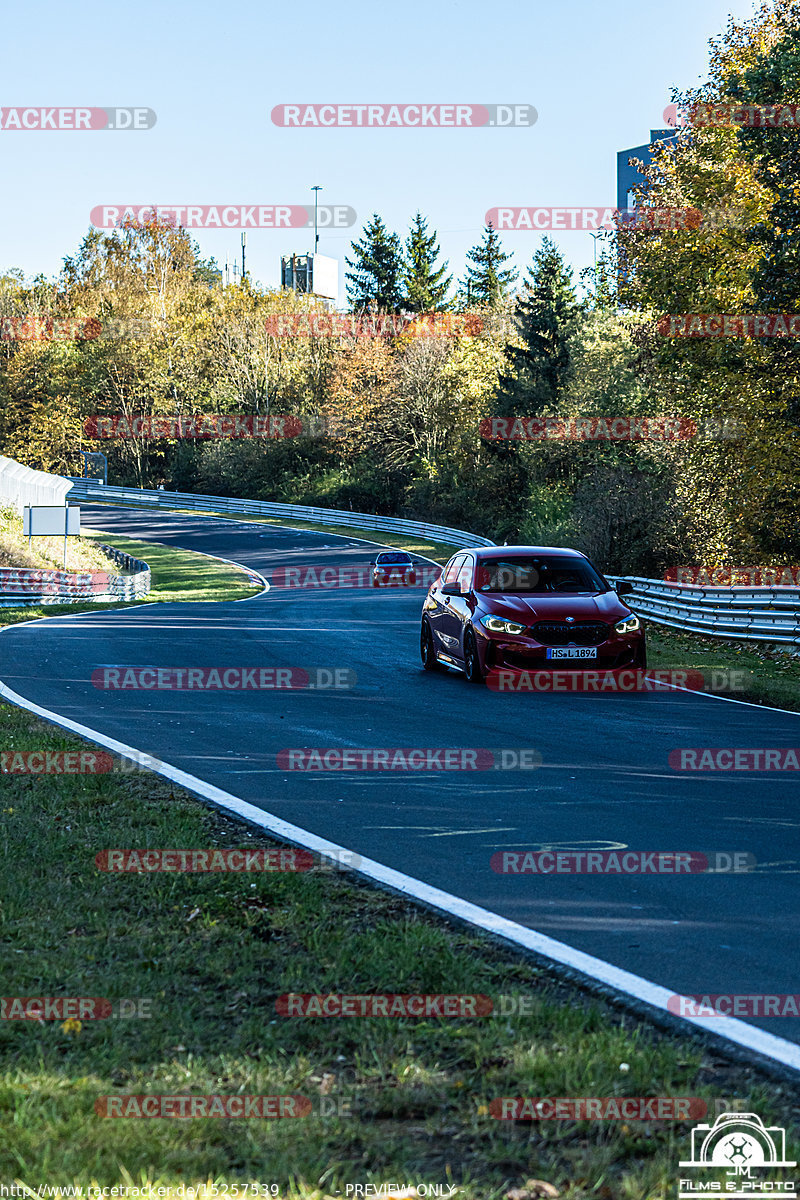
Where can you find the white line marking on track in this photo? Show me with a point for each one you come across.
(750, 1037)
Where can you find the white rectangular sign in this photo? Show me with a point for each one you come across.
(325, 277)
(48, 521)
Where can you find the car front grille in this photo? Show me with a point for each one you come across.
(559, 633)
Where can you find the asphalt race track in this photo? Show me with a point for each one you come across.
(604, 782)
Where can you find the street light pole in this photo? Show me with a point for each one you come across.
(316, 190)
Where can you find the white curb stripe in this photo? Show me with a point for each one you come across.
(740, 1033)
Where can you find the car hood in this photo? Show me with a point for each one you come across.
(554, 606)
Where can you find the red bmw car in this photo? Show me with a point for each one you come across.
(527, 608)
(393, 568)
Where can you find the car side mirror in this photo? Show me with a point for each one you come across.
(450, 589)
(623, 588)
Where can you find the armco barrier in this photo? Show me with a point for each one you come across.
(89, 489)
(21, 587)
(749, 614)
(741, 613)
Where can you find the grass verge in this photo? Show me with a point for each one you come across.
(767, 677)
(184, 575)
(181, 575)
(398, 1099)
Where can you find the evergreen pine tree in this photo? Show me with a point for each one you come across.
(377, 268)
(425, 286)
(487, 282)
(545, 313)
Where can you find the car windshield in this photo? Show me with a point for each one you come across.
(538, 573)
(394, 556)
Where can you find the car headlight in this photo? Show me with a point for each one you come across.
(627, 624)
(498, 625)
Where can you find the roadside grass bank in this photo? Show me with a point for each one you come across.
(177, 575)
(184, 575)
(768, 677)
(47, 553)
(204, 957)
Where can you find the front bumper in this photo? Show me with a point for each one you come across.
(501, 652)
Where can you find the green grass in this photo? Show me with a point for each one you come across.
(183, 574)
(211, 953)
(175, 575)
(769, 677)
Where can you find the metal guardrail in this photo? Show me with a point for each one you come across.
(748, 614)
(90, 489)
(21, 586)
(742, 613)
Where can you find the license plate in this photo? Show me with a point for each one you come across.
(571, 652)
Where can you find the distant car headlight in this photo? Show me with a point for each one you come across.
(628, 624)
(498, 625)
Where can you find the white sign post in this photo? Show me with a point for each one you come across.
(44, 520)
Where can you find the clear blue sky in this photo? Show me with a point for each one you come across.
(598, 74)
